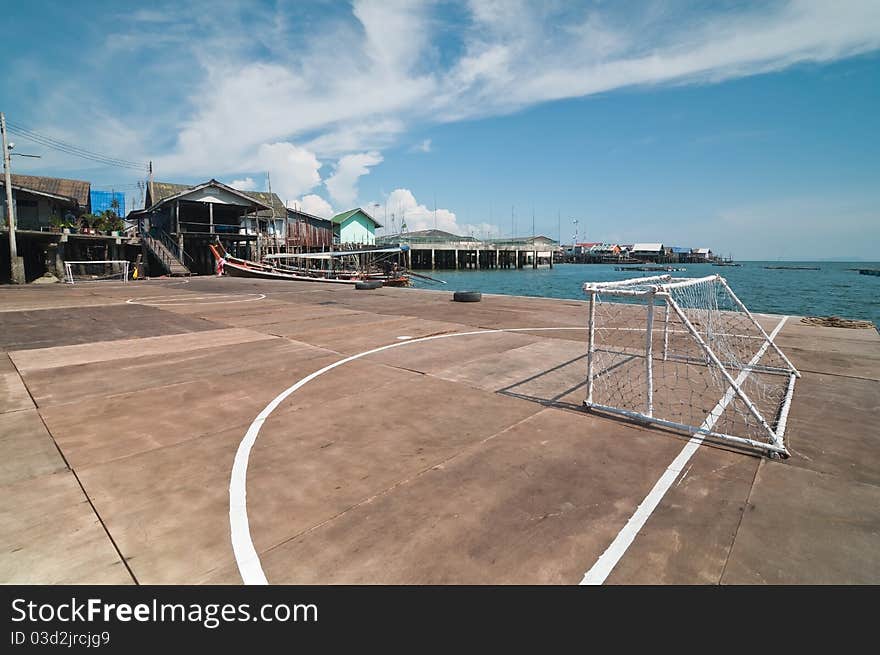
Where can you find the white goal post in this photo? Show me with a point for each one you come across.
(96, 270)
(686, 354)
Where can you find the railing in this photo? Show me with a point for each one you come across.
(160, 253)
(194, 227)
(173, 246)
(170, 253)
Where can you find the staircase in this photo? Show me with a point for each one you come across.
(163, 248)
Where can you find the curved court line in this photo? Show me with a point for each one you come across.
(246, 556)
(158, 281)
(140, 301)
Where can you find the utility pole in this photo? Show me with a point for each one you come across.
(274, 218)
(16, 263)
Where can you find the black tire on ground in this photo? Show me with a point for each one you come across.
(368, 284)
(467, 296)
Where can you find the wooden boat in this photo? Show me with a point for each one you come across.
(726, 262)
(237, 267)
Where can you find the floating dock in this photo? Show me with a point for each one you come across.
(394, 436)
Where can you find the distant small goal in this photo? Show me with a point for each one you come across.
(686, 354)
(96, 271)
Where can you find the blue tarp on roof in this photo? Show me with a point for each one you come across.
(681, 251)
(103, 200)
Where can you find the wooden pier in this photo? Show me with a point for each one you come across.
(433, 249)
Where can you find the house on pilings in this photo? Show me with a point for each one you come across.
(179, 222)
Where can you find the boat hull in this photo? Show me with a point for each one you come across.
(234, 269)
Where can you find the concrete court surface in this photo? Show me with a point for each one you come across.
(455, 460)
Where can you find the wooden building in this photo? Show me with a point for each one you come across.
(180, 221)
(47, 213)
(648, 252)
(308, 233)
(43, 202)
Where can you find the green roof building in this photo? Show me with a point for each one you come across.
(355, 226)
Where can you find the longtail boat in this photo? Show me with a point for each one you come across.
(271, 268)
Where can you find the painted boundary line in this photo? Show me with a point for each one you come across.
(246, 556)
(600, 571)
(171, 301)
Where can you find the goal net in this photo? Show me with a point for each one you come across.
(686, 354)
(94, 271)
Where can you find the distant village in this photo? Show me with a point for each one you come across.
(58, 220)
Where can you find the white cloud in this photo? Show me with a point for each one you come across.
(247, 184)
(391, 74)
(424, 146)
(313, 204)
(365, 135)
(236, 92)
(293, 170)
(402, 204)
(342, 185)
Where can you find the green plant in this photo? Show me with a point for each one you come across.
(61, 221)
(109, 220)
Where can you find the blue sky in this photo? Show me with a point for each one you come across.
(751, 128)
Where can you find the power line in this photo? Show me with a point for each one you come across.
(27, 133)
(98, 160)
(76, 151)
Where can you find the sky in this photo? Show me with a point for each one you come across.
(747, 127)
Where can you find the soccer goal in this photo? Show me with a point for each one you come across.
(94, 271)
(686, 354)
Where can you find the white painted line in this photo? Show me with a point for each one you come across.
(171, 301)
(162, 282)
(246, 556)
(609, 559)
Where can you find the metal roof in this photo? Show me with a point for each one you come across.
(76, 190)
(647, 247)
(344, 216)
(293, 213)
(270, 202)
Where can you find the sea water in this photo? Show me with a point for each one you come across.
(835, 289)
